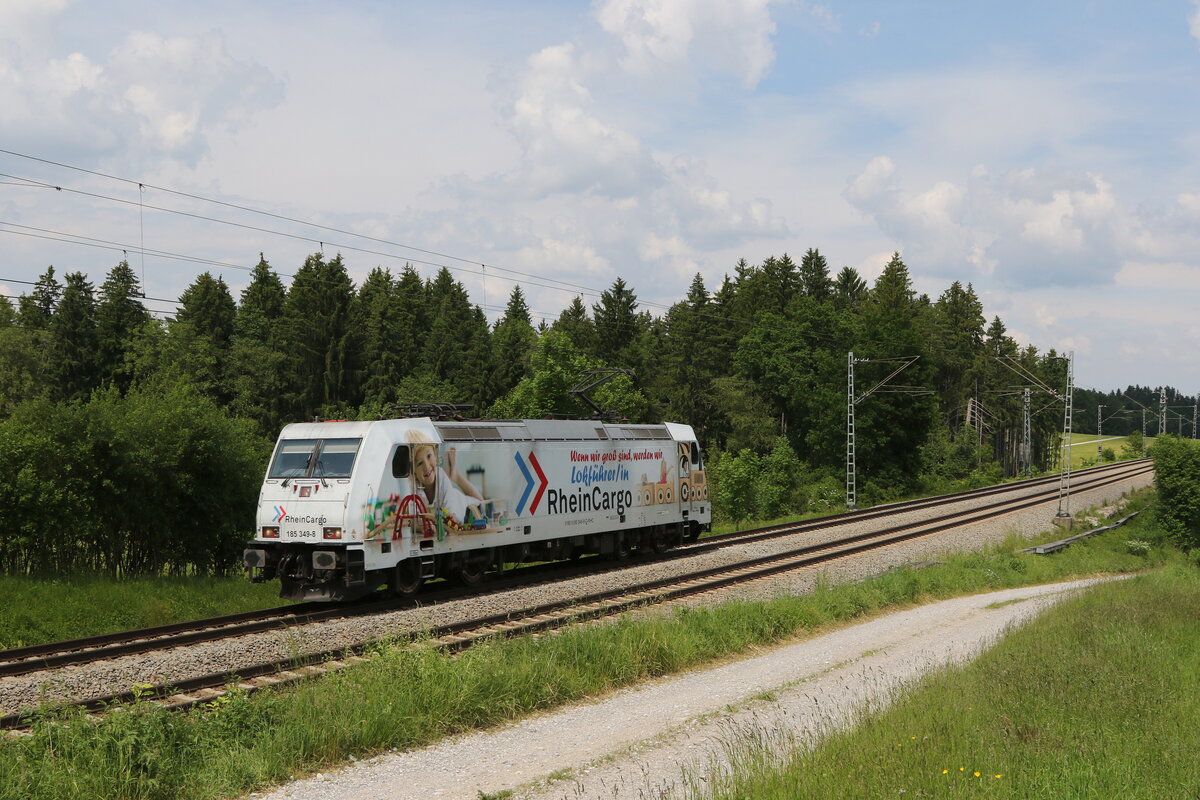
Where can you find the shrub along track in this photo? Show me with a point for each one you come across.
(458, 636)
(53, 655)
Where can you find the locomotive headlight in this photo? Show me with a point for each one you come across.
(324, 559)
(270, 532)
(332, 533)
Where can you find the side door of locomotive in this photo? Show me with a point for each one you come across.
(693, 489)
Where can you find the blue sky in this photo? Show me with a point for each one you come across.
(1049, 153)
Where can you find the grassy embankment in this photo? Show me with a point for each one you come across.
(1098, 698)
(36, 610)
(1085, 454)
(406, 697)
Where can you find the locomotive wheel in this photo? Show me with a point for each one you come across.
(406, 578)
(621, 548)
(470, 573)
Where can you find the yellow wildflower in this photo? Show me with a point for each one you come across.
(976, 774)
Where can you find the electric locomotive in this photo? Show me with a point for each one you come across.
(348, 507)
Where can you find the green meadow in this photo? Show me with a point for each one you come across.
(406, 697)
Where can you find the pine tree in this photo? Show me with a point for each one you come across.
(616, 324)
(261, 303)
(446, 340)
(814, 276)
(687, 363)
(8, 315)
(577, 325)
(512, 341)
(255, 368)
(36, 308)
(410, 321)
(208, 307)
(957, 343)
(376, 323)
(119, 317)
(74, 340)
(849, 289)
(891, 428)
(316, 337)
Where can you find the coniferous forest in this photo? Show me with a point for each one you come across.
(136, 445)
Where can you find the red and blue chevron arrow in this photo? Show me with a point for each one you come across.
(279, 514)
(529, 483)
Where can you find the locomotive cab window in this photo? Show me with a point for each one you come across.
(336, 459)
(401, 462)
(309, 458)
(293, 457)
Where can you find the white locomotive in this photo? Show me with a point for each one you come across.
(347, 507)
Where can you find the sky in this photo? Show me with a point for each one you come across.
(1047, 153)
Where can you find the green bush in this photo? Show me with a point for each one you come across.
(158, 480)
(746, 485)
(1177, 478)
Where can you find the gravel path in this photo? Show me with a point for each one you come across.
(651, 740)
(119, 675)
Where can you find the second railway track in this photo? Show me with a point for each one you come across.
(36, 658)
(182, 693)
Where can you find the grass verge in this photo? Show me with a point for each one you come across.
(1097, 698)
(37, 610)
(408, 697)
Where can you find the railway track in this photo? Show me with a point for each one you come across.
(53, 655)
(186, 693)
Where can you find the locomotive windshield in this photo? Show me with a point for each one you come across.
(314, 458)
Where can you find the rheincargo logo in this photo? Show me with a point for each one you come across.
(529, 483)
(321, 520)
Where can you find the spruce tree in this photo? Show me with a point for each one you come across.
(577, 325)
(36, 308)
(849, 289)
(316, 337)
(74, 340)
(512, 341)
(255, 367)
(208, 307)
(377, 326)
(261, 304)
(616, 324)
(119, 317)
(447, 337)
(814, 276)
(410, 320)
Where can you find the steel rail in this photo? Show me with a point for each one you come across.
(190, 692)
(36, 658)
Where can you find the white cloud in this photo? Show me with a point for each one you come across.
(731, 36)
(1027, 228)
(566, 147)
(1194, 20)
(983, 110)
(827, 19)
(1159, 277)
(151, 93)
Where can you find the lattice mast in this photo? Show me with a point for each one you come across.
(1064, 481)
(1027, 436)
(851, 496)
